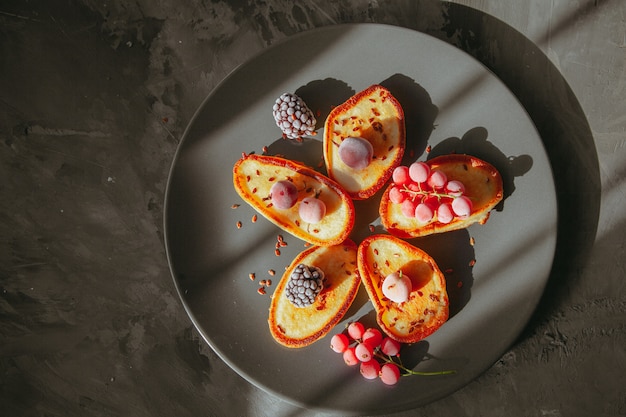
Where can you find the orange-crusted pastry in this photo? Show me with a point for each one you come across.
(405, 285)
(296, 198)
(329, 280)
(364, 140)
(449, 192)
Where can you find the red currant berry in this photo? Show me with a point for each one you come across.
(390, 373)
(396, 195)
(355, 330)
(349, 357)
(372, 337)
(339, 343)
(437, 179)
(400, 175)
(390, 347)
(462, 206)
(364, 352)
(370, 369)
(419, 171)
(445, 213)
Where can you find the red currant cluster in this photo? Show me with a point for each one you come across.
(369, 348)
(378, 355)
(424, 193)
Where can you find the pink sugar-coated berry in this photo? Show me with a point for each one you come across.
(283, 194)
(445, 213)
(370, 369)
(356, 330)
(424, 213)
(437, 179)
(396, 287)
(312, 210)
(364, 352)
(349, 356)
(356, 152)
(400, 175)
(396, 196)
(455, 188)
(462, 206)
(419, 171)
(372, 337)
(339, 343)
(408, 208)
(390, 347)
(390, 373)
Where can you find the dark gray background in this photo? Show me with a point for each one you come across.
(94, 98)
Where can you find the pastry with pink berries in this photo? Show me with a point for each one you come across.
(405, 285)
(446, 193)
(296, 198)
(364, 140)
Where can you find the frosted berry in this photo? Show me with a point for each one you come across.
(349, 356)
(390, 374)
(356, 330)
(372, 337)
(396, 287)
(424, 213)
(401, 175)
(305, 283)
(390, 347)
(455, 188)
(357, 153)
(445, 213)
(462, 206)
(419, 172)
(364, 352)
(312, 210)
(437, 179)
(370, 369)
(293, 116)
(283, 194)
(339, 343)
(396, 195)
(408, 207)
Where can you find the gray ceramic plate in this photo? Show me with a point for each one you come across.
(452, 104)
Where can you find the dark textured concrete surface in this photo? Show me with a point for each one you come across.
(94, 98)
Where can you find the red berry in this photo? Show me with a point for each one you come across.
(408, 208)
(419, 171)
(390, 373)
(356, 152)
(370, 369)
(349, 357)
(355, 330)
(445, 213)
(283, 194)
(462, 206)
(364, 352)
(455, 188)
(424, 213)
(437, 179)
(400, 175)
(312, 210)
(390, 347)
(372, 337)
(339, 343)
(396, 196)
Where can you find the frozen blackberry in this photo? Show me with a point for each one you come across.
(293, 116)
(305, 283)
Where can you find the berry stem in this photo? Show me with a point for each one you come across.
(424, 193)
(406, 371)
